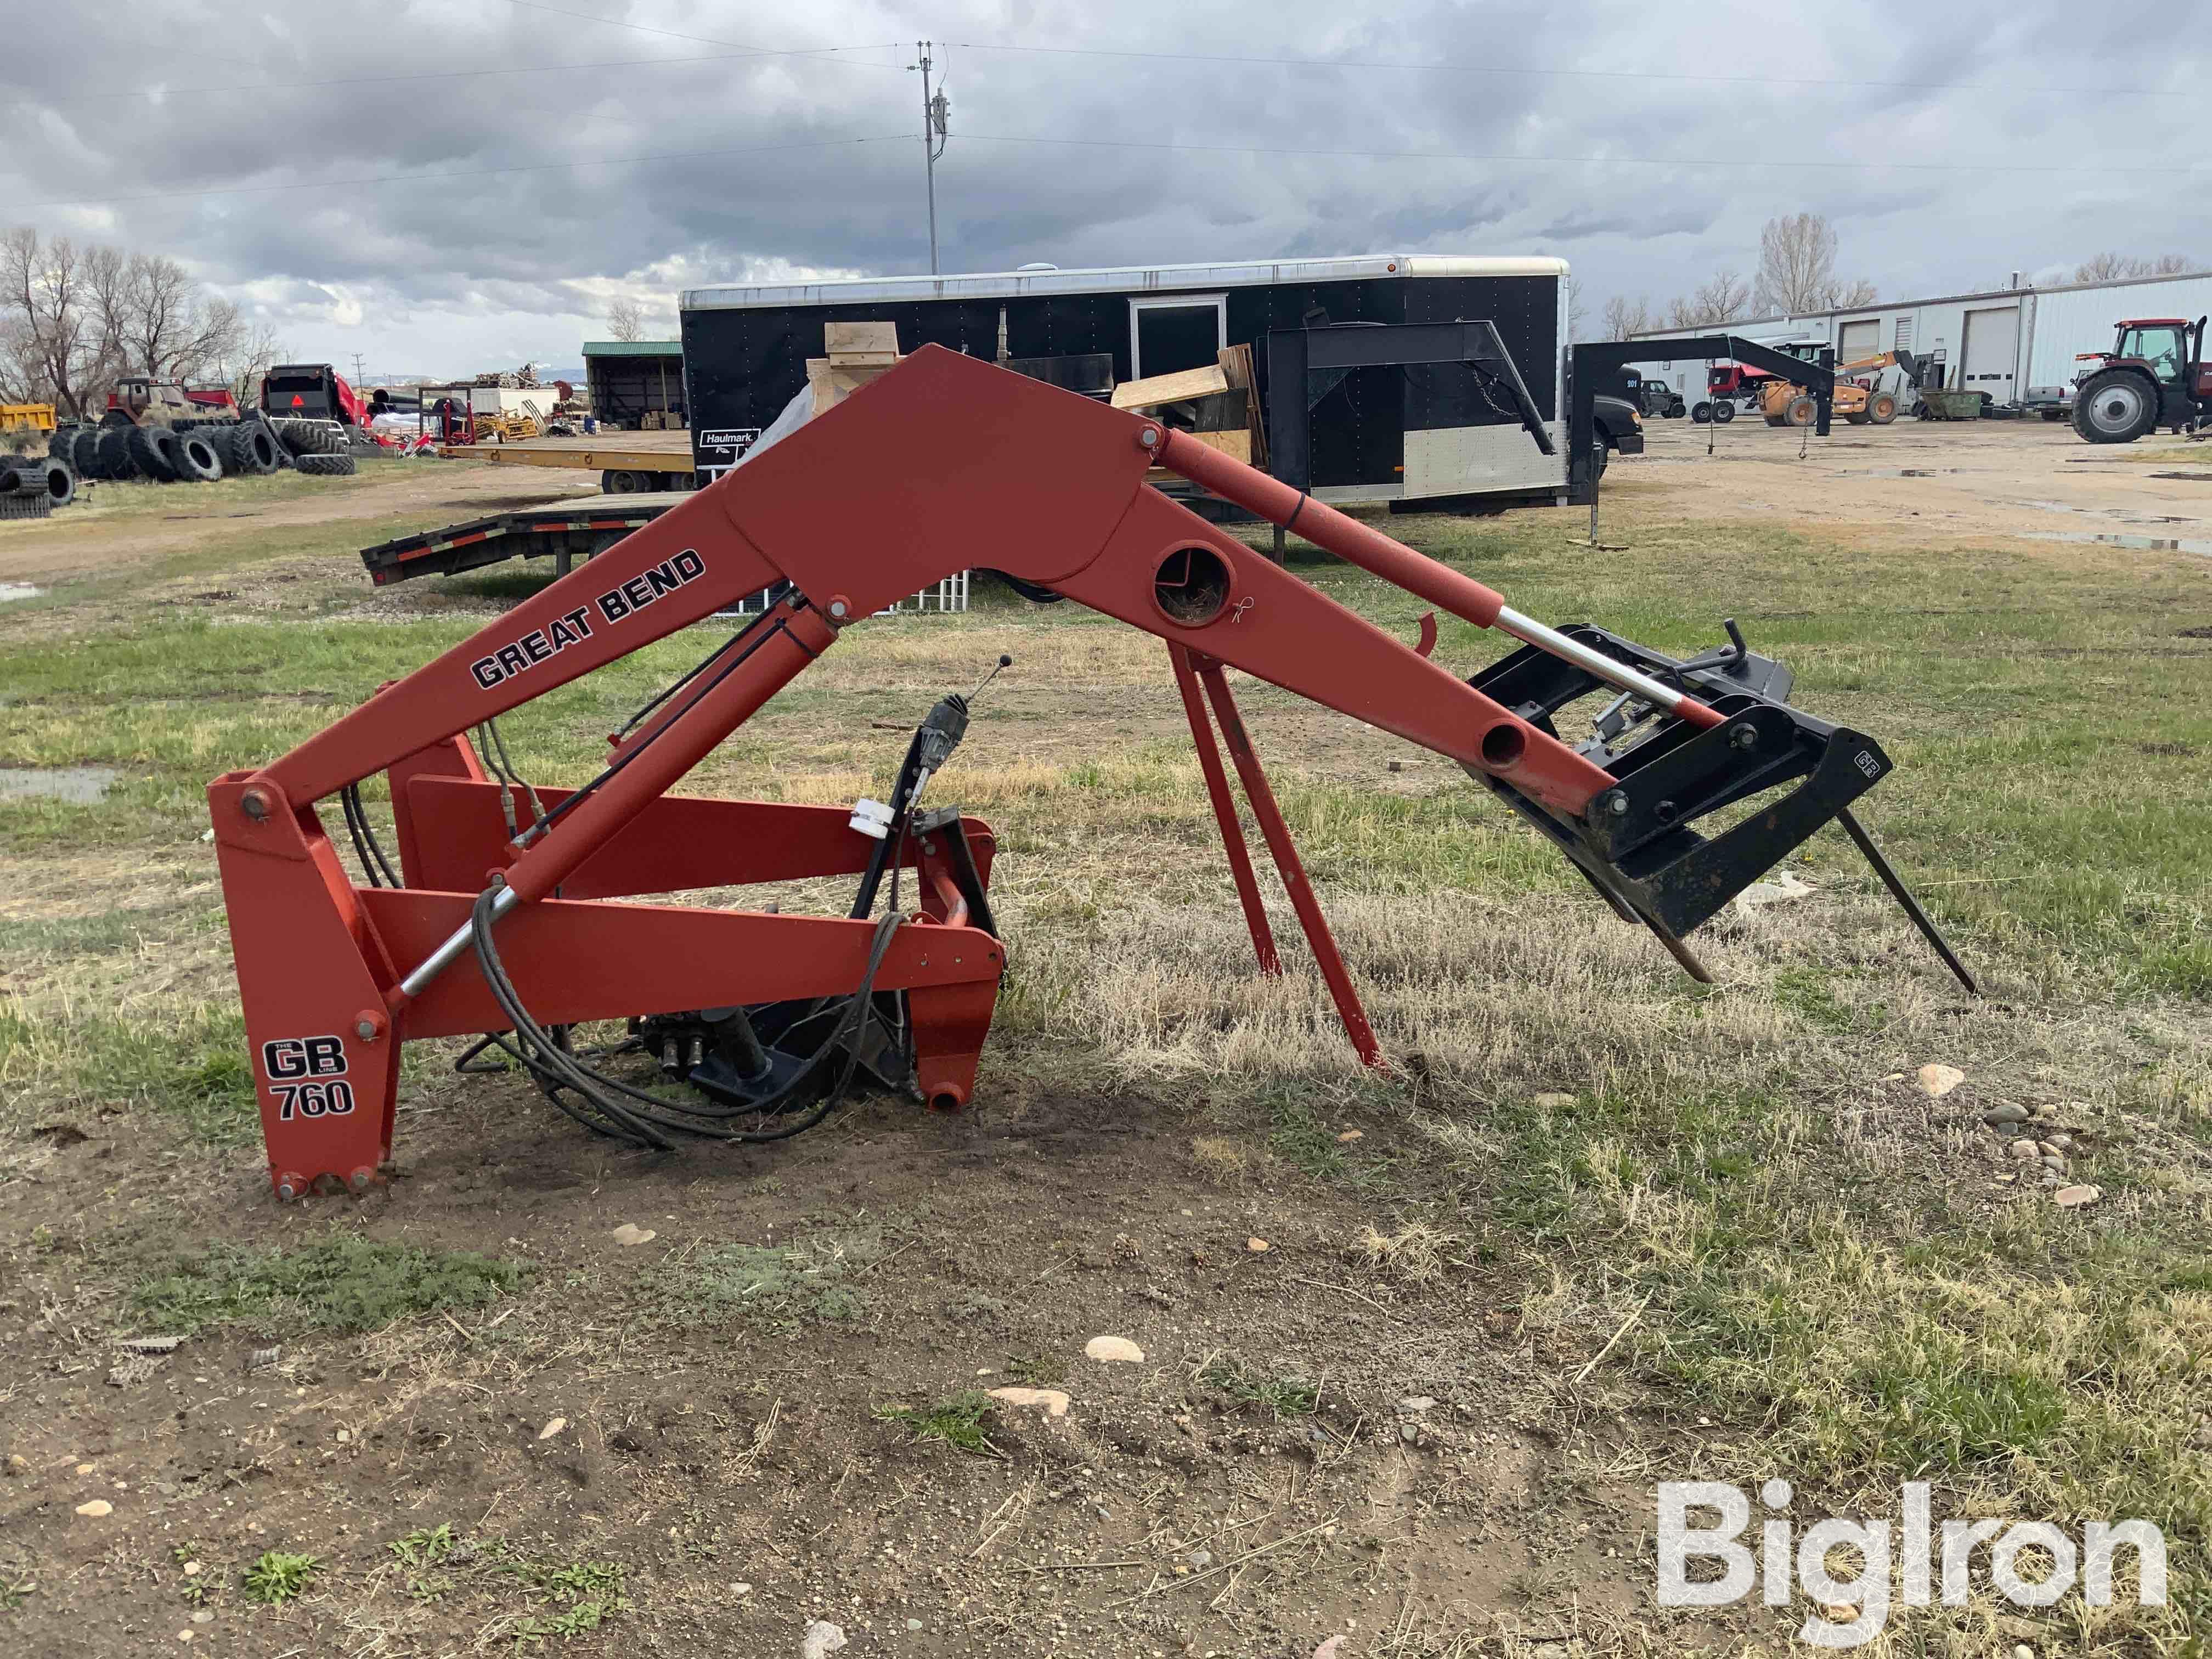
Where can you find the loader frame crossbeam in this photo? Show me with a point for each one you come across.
(943, 464)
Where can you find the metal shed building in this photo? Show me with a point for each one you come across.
(629, 379)
(2000, 341)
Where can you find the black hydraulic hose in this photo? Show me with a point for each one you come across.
(547, 820)
(366, 847)
(864, 901)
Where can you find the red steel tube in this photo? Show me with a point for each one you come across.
(1370, 549)
(712, 716)
(1224, 810)
(1293, 873)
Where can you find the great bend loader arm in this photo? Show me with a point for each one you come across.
(943, 464)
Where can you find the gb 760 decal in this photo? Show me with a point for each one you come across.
(296, 1067)
(575, 627)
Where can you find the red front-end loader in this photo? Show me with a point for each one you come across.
(512, 915)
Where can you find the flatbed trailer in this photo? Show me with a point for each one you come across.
(627, 462)
(559, 530)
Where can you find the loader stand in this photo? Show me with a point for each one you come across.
(511, 911)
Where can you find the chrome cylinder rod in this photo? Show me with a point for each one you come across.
(442, 959)
(1618, 675)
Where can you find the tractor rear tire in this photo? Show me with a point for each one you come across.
(1799, 411)
(310, 438)
(1882, 408)
(153, 453)
(117, 417)
(253, 450)
(1723, 411)
(1701, 413)
(61, 481)
(84, 452)
(327, 467)
(1858, 417)
(2116, 406)
(112, 455)
(198, 461)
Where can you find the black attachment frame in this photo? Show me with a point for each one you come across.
(1589, 364)
(1636, 844)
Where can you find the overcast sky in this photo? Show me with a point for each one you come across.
(442, 187)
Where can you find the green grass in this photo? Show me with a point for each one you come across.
(342, 1282)
(957, 1421)
(278, 1577)
(778, 1286)
(1242, 1385)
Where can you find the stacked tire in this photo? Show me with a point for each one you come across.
(203, 451)
(25, 486)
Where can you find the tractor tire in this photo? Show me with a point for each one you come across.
(153, 453)
(310, 438)
(63, 443)
(1799, 411)
(198, 461)
(84, 452)
(1723, 411)
(1776, 420)
(252, 451)
(1701, 413)
(2115, 406)
(19, 475)
(117, 417)
(112, 455)
(1882, 408)
(327, 467)
(1858, 417)
(60, 480)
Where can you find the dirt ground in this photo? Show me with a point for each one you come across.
(1929, 479)
(689, 1442)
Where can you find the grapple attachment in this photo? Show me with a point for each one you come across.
(1640, 842)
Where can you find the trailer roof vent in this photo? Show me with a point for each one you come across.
(1037, 264)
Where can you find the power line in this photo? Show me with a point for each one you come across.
(164, 93)
(674, 34)
(1576, 160)
(468, 173)
(2069, 91)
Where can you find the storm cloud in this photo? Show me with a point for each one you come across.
(444, 188)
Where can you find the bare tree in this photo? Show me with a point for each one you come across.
(1796, 262)
(2104, 268)
(2118, 267)
(1847, 296)
(172, 328)
(256, 349)
(625, 320)
(1577, 307)
(44, 289)
(1624, 318)
(1723, 297)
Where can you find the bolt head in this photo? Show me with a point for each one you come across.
(1744, 737)
(362, 1180)
(286, 1192)
(1617, 803)
(1149, 438)
(837, 607)
(254, 803)
(364, 1030)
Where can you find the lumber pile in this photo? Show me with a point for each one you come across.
(1219, 405)
(857, 354)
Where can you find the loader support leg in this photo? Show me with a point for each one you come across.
(1224, 810)
(1287, 865)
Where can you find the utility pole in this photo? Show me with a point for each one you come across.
(936, 119)
(357, 362)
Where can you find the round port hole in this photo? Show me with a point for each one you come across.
(1502, 745)
(1191, 586)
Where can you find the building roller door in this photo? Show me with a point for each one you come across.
(1991, 352)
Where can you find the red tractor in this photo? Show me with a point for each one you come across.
(2154, 376)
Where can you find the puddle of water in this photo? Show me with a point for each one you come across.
(1901, 472)
(2193, 477)
(18, 591)
(2148, 544)
(80, 785)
